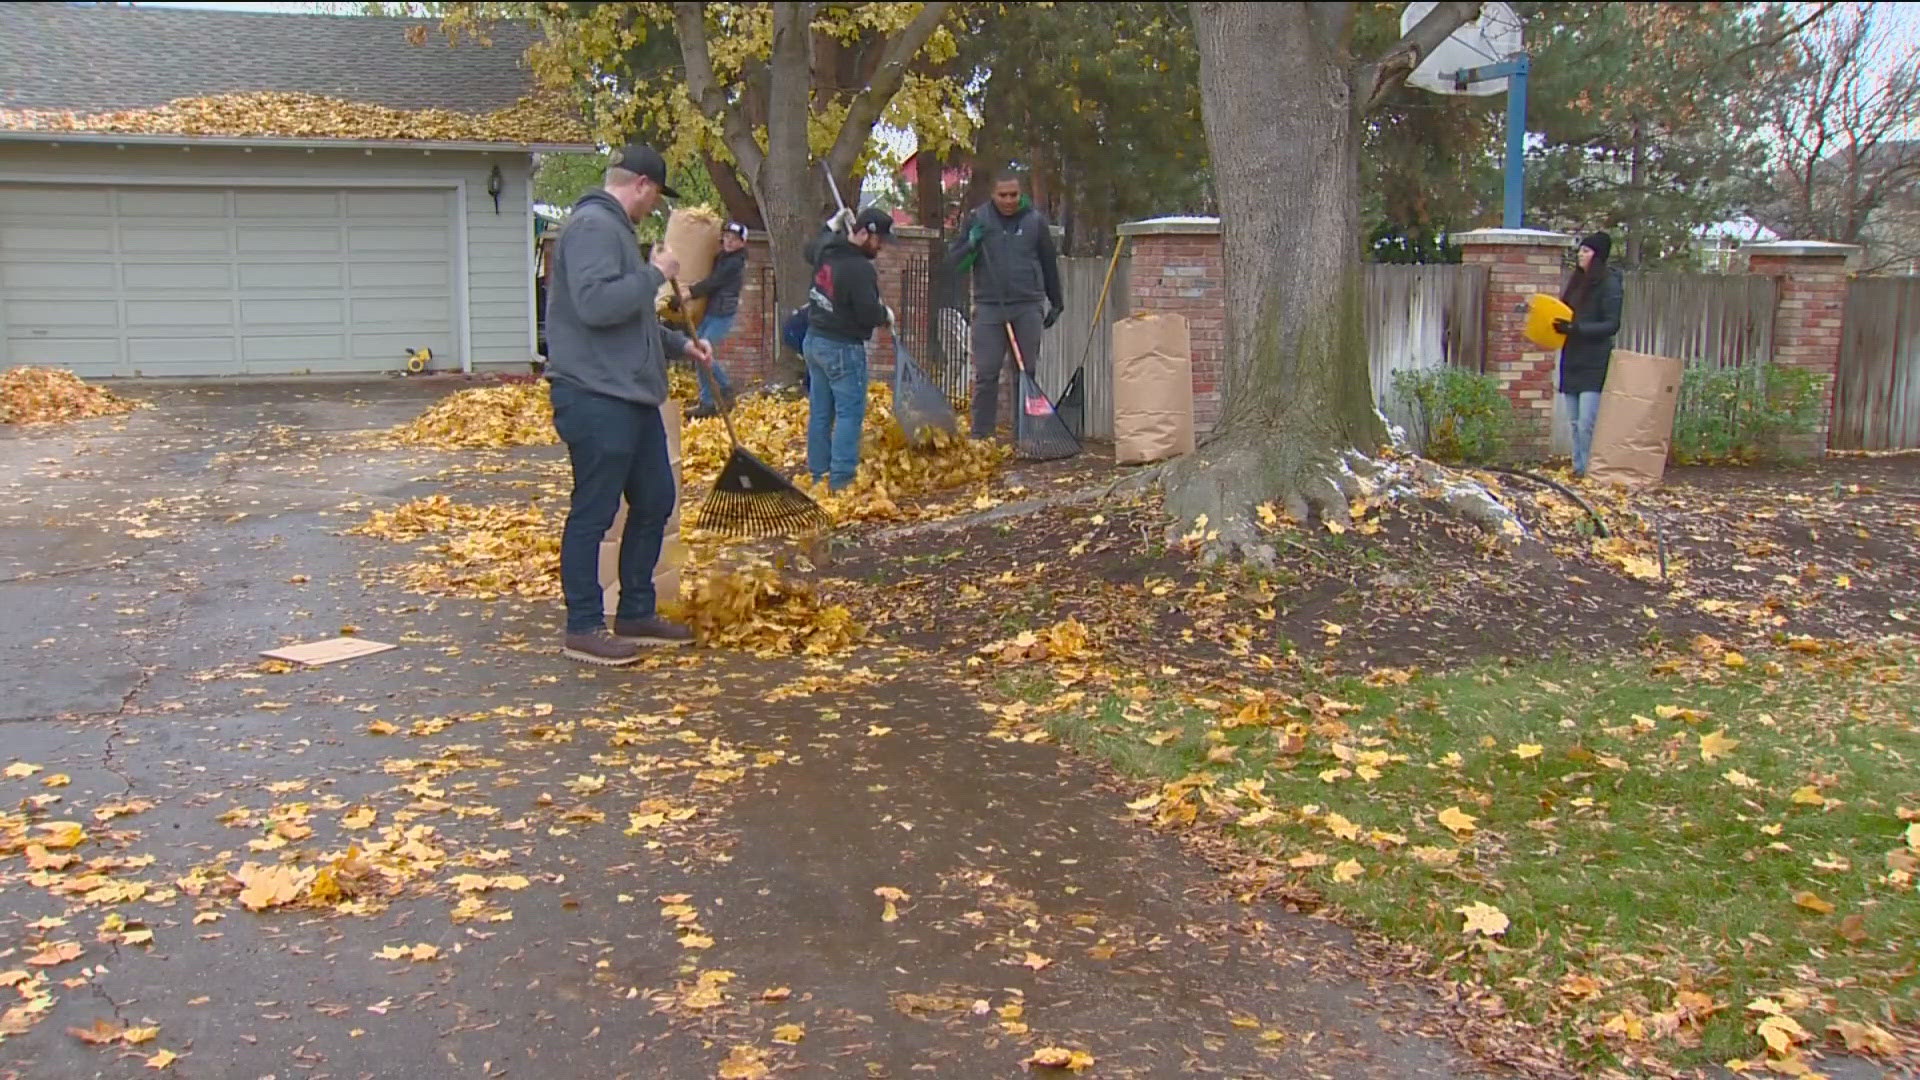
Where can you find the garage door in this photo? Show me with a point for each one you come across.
(161, 281)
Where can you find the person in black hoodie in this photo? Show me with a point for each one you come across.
(721, 288)
(1594, 293)
(843, 311)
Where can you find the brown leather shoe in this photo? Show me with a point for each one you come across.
(654, 632)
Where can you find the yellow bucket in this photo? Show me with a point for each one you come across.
(1542, 310)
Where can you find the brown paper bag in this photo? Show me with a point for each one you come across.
(1634, 431)
(666, 572)
(1152, 388)
(693, 234)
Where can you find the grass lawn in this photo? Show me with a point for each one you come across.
(1674, 860)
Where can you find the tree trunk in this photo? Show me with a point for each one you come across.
(1280, 120)
(785, 187)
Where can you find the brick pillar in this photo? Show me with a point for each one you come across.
(1175, 265)
(1812, 281)
(1520, 263)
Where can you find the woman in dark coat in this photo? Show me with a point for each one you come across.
(1593, 292)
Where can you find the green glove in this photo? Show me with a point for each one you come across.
(976, 234)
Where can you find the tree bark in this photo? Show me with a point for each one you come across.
(784, 185)
(1281, 110)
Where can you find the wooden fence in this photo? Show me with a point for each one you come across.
(1876, 399)
(1063, 348)
(1419, 317)
(1707, 320)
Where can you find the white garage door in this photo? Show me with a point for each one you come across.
(160, 281)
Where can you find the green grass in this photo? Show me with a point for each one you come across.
(1618, 853)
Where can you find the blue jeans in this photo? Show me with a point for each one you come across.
(617, 448)
(714, 330)
(1582, 410)
(836, 407)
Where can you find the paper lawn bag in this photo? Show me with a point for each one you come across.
(1635, 427)
(673, 553)
(1152, 389)
(693, 234)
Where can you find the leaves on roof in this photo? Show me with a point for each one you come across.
(533, 119)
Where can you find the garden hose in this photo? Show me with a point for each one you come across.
(1599, 526)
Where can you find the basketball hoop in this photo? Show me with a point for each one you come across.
(1480, 59)
(1489, 39)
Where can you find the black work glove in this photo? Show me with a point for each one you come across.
(1562, 326)
(1053, 316)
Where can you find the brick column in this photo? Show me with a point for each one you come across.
(1175, 265)
(1520, 263)
(1812, 280)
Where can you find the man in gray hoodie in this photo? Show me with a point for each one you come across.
(607, 373)
(1008, 244)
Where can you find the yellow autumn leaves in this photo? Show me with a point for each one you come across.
(38, 395)
(532, 119)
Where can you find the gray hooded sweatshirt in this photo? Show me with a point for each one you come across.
(602, 334)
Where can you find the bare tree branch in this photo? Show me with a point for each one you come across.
(1385, 75)
(888, 74)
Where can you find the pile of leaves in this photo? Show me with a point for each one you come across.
(484, 551)
(512, 414)
(775, 430)
(311, 116)
(37, 395)
(754, 607)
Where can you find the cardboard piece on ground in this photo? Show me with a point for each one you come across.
(693, 234)
(1152, 388)
(1634, 431)
(673, 551)
(332, 650)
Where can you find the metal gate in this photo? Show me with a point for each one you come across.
(935, 300)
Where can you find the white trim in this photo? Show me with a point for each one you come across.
(533, 269)
(462, 294)
(95, 137)
(463, 277)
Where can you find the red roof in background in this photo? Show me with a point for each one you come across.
(951, 177)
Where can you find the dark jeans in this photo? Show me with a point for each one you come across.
(991, 354)
(714, 330)
(617, 448)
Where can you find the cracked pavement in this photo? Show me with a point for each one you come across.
(145, 562)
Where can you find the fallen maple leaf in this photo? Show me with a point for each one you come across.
(134, 1036)
(1348, 870)
(1781, 1032)
(1059, 1057)
(1460, 823)
(1527, 750)
(101, 1033)
(1715, 744)
(744, 1063)
(1483, 918)
(789, 1034)
(1812, 903)
(55, 953)
(1035, 961)
(20, 769)
(162, 1059)
(1808, 796)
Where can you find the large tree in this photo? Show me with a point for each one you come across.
(1284, 97)
(759, 94)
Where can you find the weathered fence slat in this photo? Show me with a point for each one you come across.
(1419, 317)
(1876, 401)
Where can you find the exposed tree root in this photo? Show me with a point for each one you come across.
(1234, 483)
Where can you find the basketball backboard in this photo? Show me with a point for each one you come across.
(1489, 39)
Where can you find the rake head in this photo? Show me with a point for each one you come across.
(1072, 404)
(918, 402)
(751, 500)
(1038, 431)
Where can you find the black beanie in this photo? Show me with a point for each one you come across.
(1602, 246)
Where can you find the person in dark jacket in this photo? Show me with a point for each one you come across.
(843, 311)
(1009, 246)
(1593, 292)
(607, 374)
(721, 288)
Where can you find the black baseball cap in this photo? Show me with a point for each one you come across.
(874, 220)
(646, 161)
(735, 228)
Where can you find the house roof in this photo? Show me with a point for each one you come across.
(88, 59)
